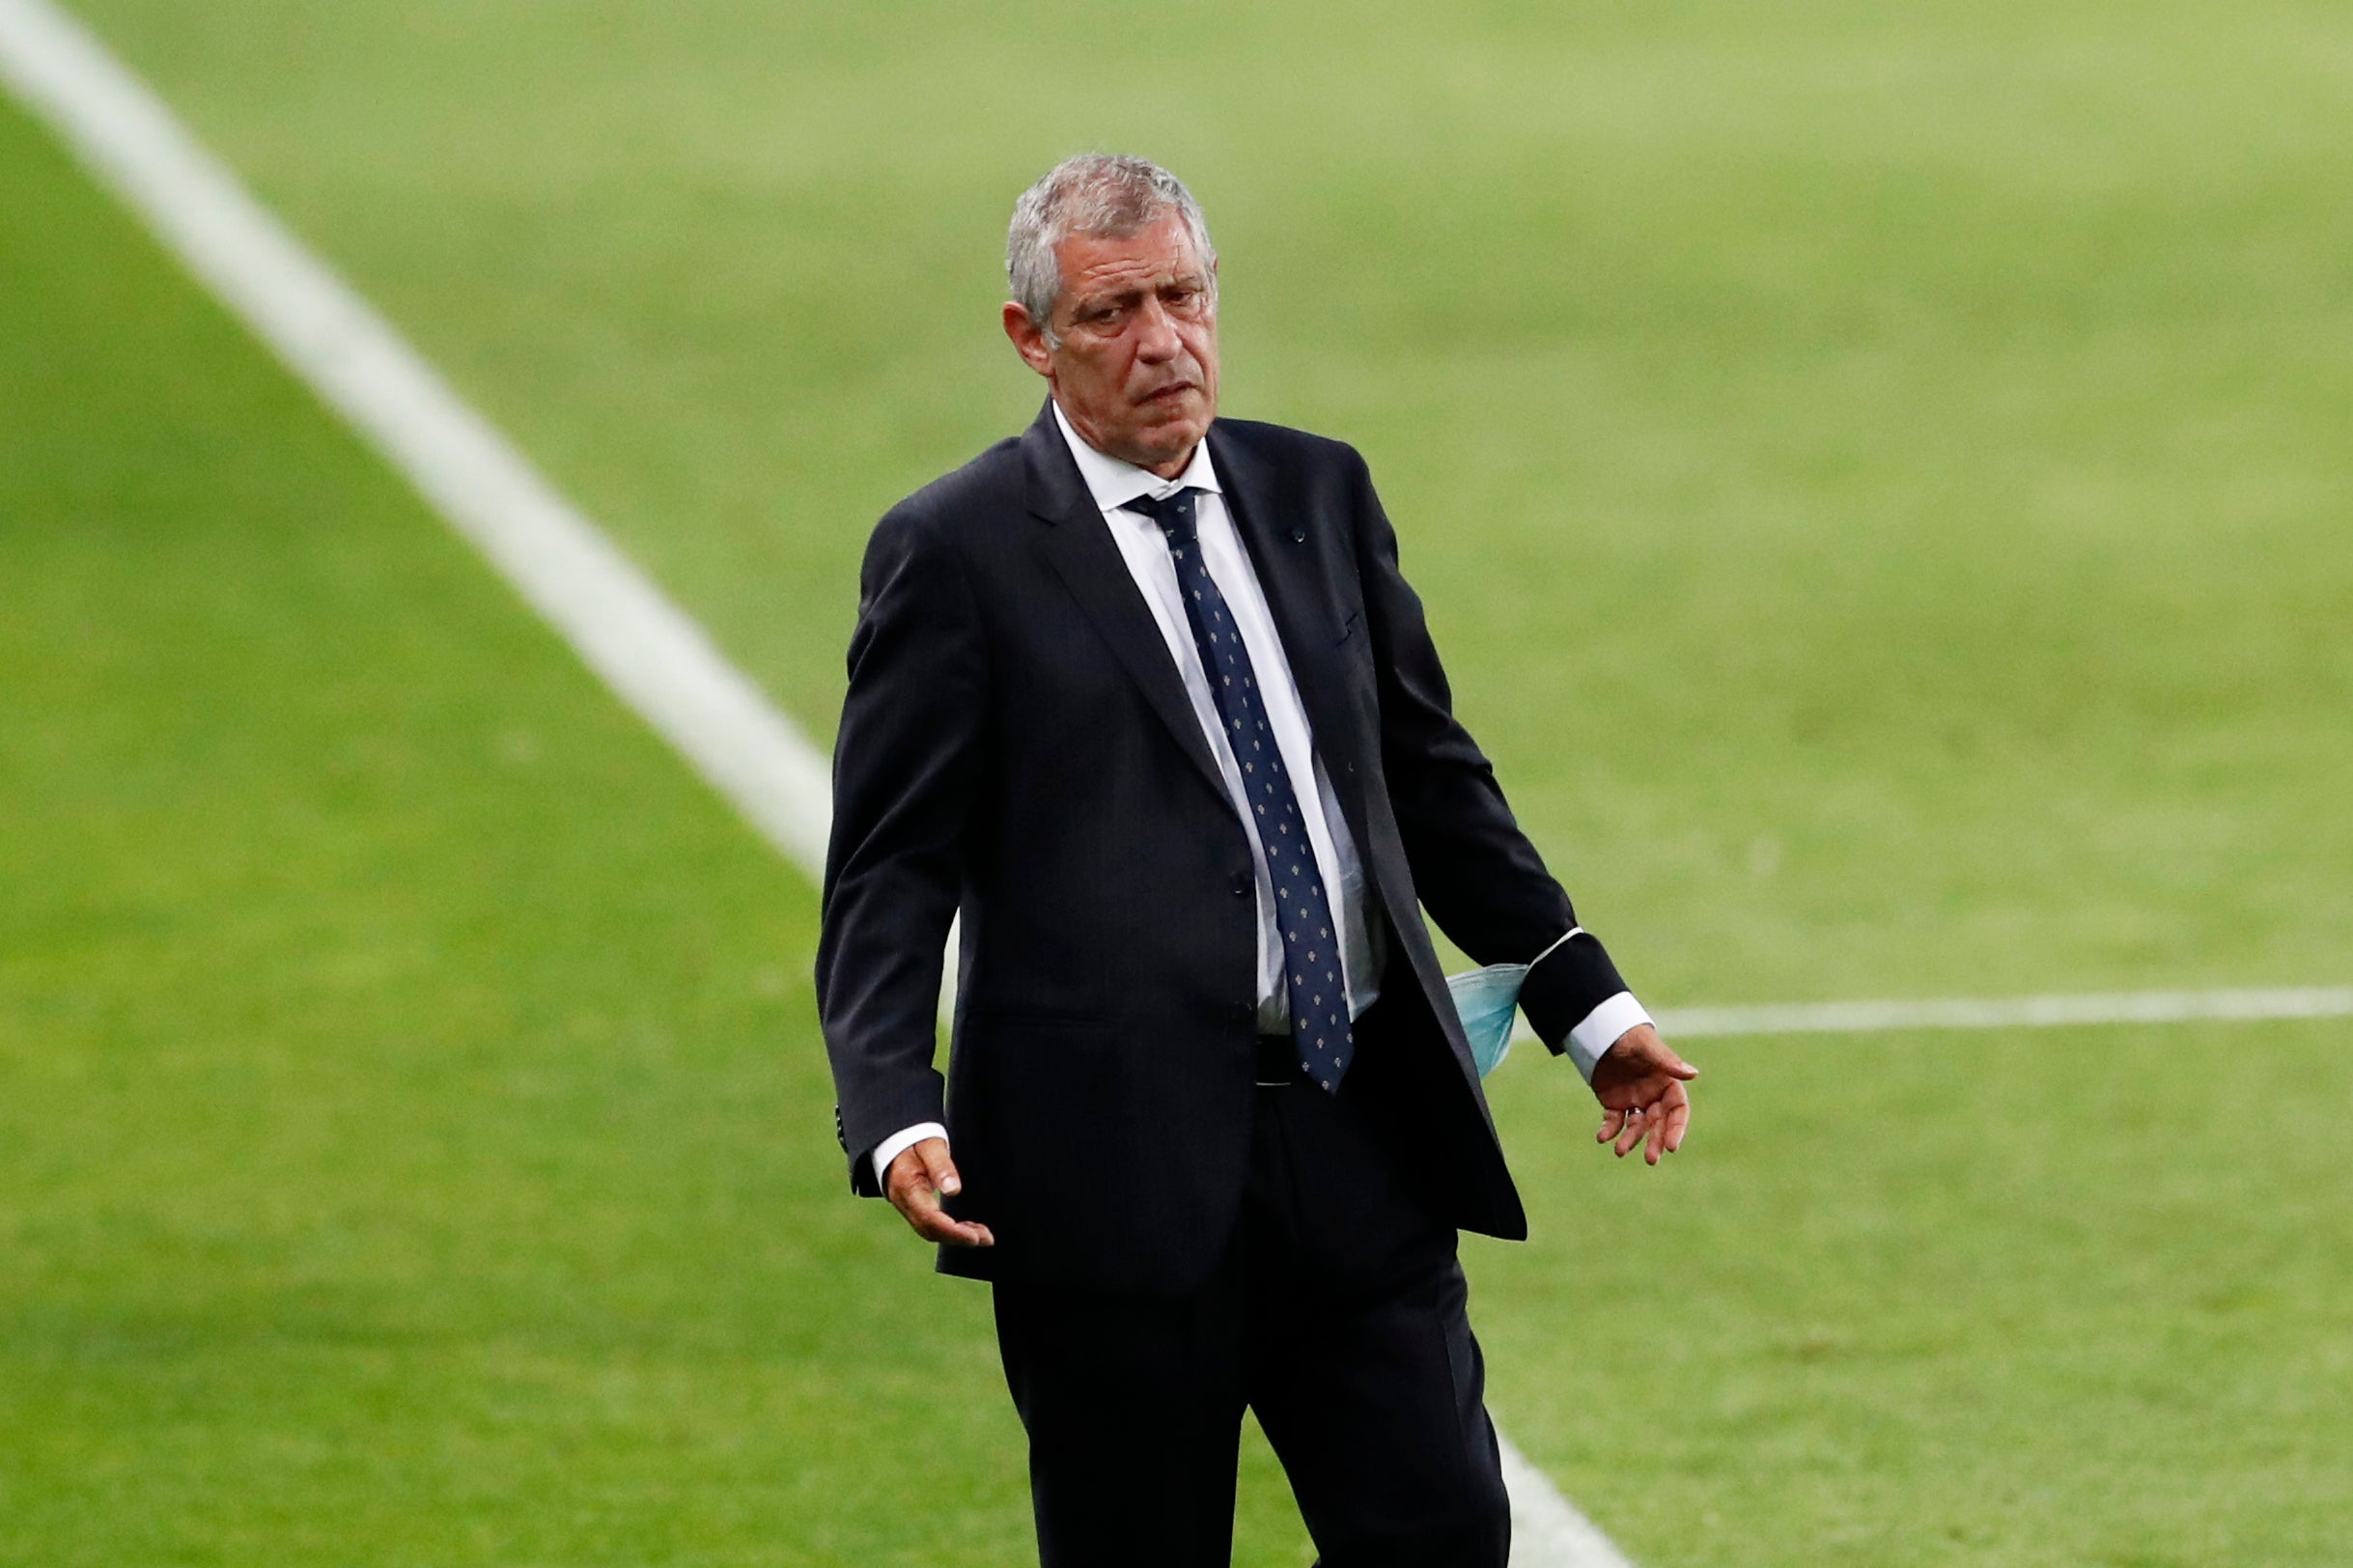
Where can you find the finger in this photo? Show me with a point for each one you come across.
(918, 1176)
(1611, 1121)
(905, 1174)
(960, 1233)
(1630, 1136)
(1679, 1118)
(934, 1223)
(1658, 1057)
(937, 1166)
(1661, 1115)
(1641, 1051)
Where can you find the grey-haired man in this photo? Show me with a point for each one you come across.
(1143, 693)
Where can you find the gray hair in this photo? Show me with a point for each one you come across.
(1095, 195)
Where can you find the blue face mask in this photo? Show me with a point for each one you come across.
(1488, 1002)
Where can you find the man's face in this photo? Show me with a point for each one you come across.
(1136, 369)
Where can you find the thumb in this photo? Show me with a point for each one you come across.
(1658, 1057)
(933, 1152)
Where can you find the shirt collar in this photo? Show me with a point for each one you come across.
(1113, 483)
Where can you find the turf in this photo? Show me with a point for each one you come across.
(2029, 1302)
(1878, 473)
(1879, 477)
(415, 1130)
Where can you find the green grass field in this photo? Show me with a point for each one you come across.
(1879, 477)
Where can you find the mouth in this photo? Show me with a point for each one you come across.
(1171, 393)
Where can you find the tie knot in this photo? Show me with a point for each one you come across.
(1174, 512)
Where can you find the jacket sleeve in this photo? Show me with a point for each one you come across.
(905, 763)
(1474, 871)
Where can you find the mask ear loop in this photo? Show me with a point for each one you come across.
(1573, 931)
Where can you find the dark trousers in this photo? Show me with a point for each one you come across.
(1337, 1314)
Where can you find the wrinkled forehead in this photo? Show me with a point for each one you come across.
(1157, 256)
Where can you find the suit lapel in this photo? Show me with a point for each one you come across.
(1287, 549)
(1079, 548)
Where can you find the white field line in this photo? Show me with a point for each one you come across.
(2011, 1012)
(648, 651)
(651, 653)
(1546, 1529)
(2004, 1012)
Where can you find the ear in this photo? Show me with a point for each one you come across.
(1029, 339)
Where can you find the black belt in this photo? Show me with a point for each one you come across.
(1277, 1062)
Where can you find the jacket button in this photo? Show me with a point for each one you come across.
(1245, 1012)
(1298, 535)
(1240, 882)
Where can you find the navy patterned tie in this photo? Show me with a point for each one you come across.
(1311, 947)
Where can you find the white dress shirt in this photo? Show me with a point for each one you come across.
(1144, 547)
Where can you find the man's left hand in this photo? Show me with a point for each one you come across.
(1640, 1082)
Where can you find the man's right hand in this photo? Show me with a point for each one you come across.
(917, 1180)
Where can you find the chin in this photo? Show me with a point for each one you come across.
(1177, 432)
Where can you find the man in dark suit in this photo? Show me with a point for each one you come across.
(1142, 694)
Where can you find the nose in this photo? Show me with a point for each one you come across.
(1156, 334)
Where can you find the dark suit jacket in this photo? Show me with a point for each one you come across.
(1016, 743)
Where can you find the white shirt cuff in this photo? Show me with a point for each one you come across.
(898, 1143)
(1592, 1039)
